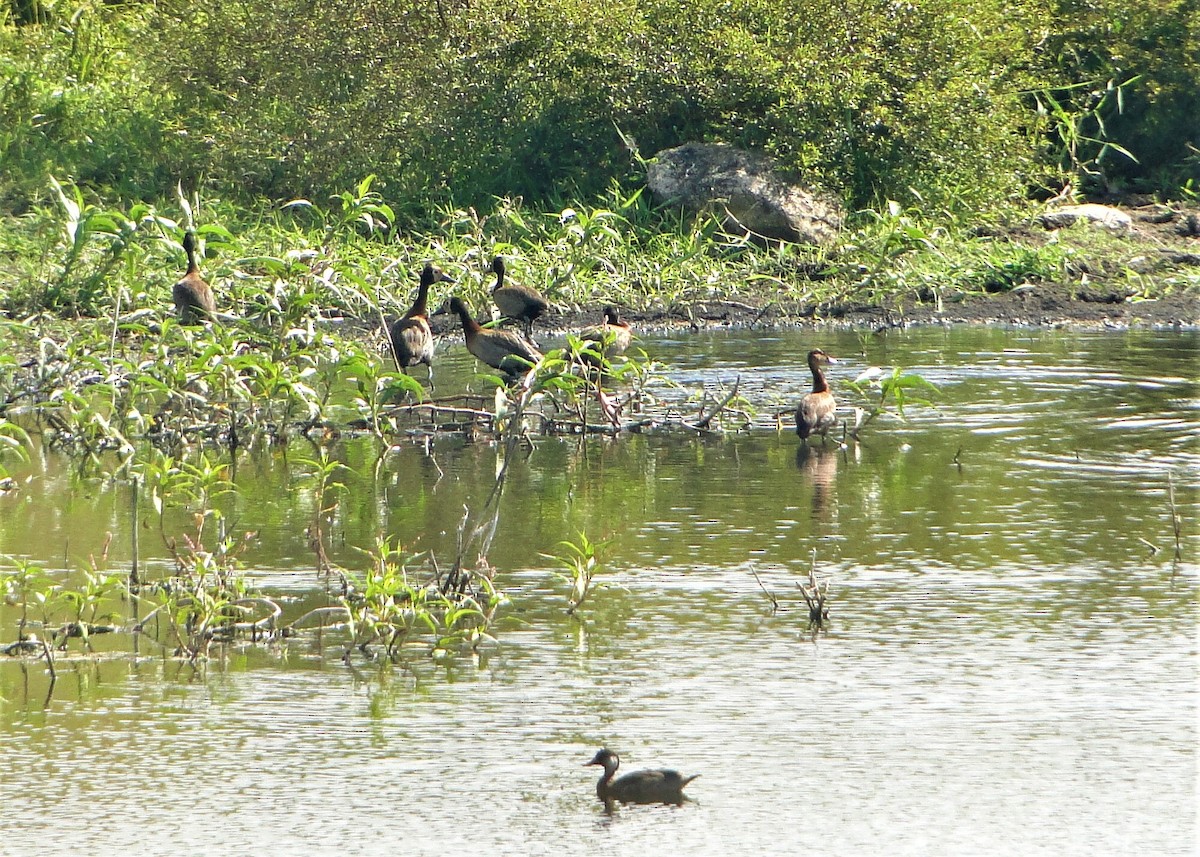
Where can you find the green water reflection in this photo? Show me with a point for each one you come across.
(1004, 643)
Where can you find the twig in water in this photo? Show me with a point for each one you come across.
(1176, 521)
(767, 592)
(702, 421)
(49, 656)
(815, 596)
(134, 581)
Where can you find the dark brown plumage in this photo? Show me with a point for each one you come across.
(193, 297)
(519, 303)
(412, 337)
(655, 786)
(611, 338)
(500, 349)
(816, 412)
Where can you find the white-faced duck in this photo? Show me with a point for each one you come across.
(412, 337)
(655, 786)
(193, 297)
(611, 338)
(519, 303)
(816, 412)
(500, 349)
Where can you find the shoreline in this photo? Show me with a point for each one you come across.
(1041, 306)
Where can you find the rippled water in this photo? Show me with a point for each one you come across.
(1008, 668)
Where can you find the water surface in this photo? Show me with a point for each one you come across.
(1008, 667)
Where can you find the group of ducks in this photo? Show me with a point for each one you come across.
(512, 353)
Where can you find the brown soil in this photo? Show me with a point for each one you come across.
(1043, 304)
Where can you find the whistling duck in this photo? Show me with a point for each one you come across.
(815, 414)
(611, 338)
(412, 337)
(519, 303)
(500, 349)
(193, 297)
(639, 787)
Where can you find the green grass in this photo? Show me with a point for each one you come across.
(281, 268)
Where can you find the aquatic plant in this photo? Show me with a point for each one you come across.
(881, 392)
(359, 209)
(1176, 519)
(97, 591)
(327, 494)
(385, 606)
(581, 564)
(205, 597)
(28, 585)
(95, 241)
(14, 443)
(816, 596)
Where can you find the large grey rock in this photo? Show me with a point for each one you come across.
(1099, 215)
(742, 188)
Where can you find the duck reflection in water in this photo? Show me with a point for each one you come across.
(819, 467)
(656, 786)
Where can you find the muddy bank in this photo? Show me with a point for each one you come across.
(1039, 305)
(1043, 305)
(1160, 243)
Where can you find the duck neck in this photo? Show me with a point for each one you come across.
(499, 278)
(192, 267)
(421, 304)
(470, 325)
(606, 778)
(820, 385)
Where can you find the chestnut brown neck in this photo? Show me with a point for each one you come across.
(820, 385)
(470, 325)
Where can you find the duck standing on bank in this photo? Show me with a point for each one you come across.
(500, 349)
(412, 337)
(520, 303)
(816, 413)
(193, 297)
(654, 786)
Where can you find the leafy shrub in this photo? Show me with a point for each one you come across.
(76, 102)
(498, 99)
(1153, 48)
(874, 99)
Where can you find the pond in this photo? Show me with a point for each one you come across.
(1009, 665)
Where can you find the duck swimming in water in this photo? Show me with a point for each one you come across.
(655, 786)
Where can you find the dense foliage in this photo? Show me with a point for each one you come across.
(950, 102)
